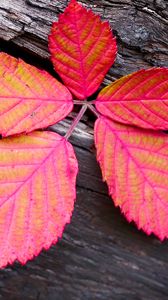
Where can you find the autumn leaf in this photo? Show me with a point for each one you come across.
(38, 170)
(139, 99)
(29, 98)
(134, 164)
(37, 192)
(82, 49)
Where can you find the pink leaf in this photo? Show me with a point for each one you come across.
(134, 164)
(140, 99)
(37, 193)
(29, 98)
(83, 49)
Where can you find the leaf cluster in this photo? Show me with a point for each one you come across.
(38, 168)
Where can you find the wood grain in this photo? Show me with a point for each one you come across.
(101, 256)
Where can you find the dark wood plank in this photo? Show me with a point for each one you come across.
(101, 256)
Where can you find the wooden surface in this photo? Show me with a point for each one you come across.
(101, 256)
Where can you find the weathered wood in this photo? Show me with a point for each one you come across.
(101, 256)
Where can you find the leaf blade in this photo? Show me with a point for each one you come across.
(134, 165)
(82, 49)
(29, 98)
(37, 184)
(140, 99)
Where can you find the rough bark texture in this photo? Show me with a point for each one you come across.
(101, 256)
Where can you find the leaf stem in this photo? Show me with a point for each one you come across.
(81, 102)
(94, 110)
(76, 121)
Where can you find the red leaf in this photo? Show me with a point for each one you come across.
(29, 98)
(134, 164)
(83, 49)
(140, 99)
(37, 188)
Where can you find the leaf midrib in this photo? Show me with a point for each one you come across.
(36, 169)
(35, 98)
(134, 160)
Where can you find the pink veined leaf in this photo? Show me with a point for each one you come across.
(82, 49)
(134, 163)
(29, 98)
(139, 99)
(37, 192)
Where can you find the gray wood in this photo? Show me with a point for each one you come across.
(101, 256)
